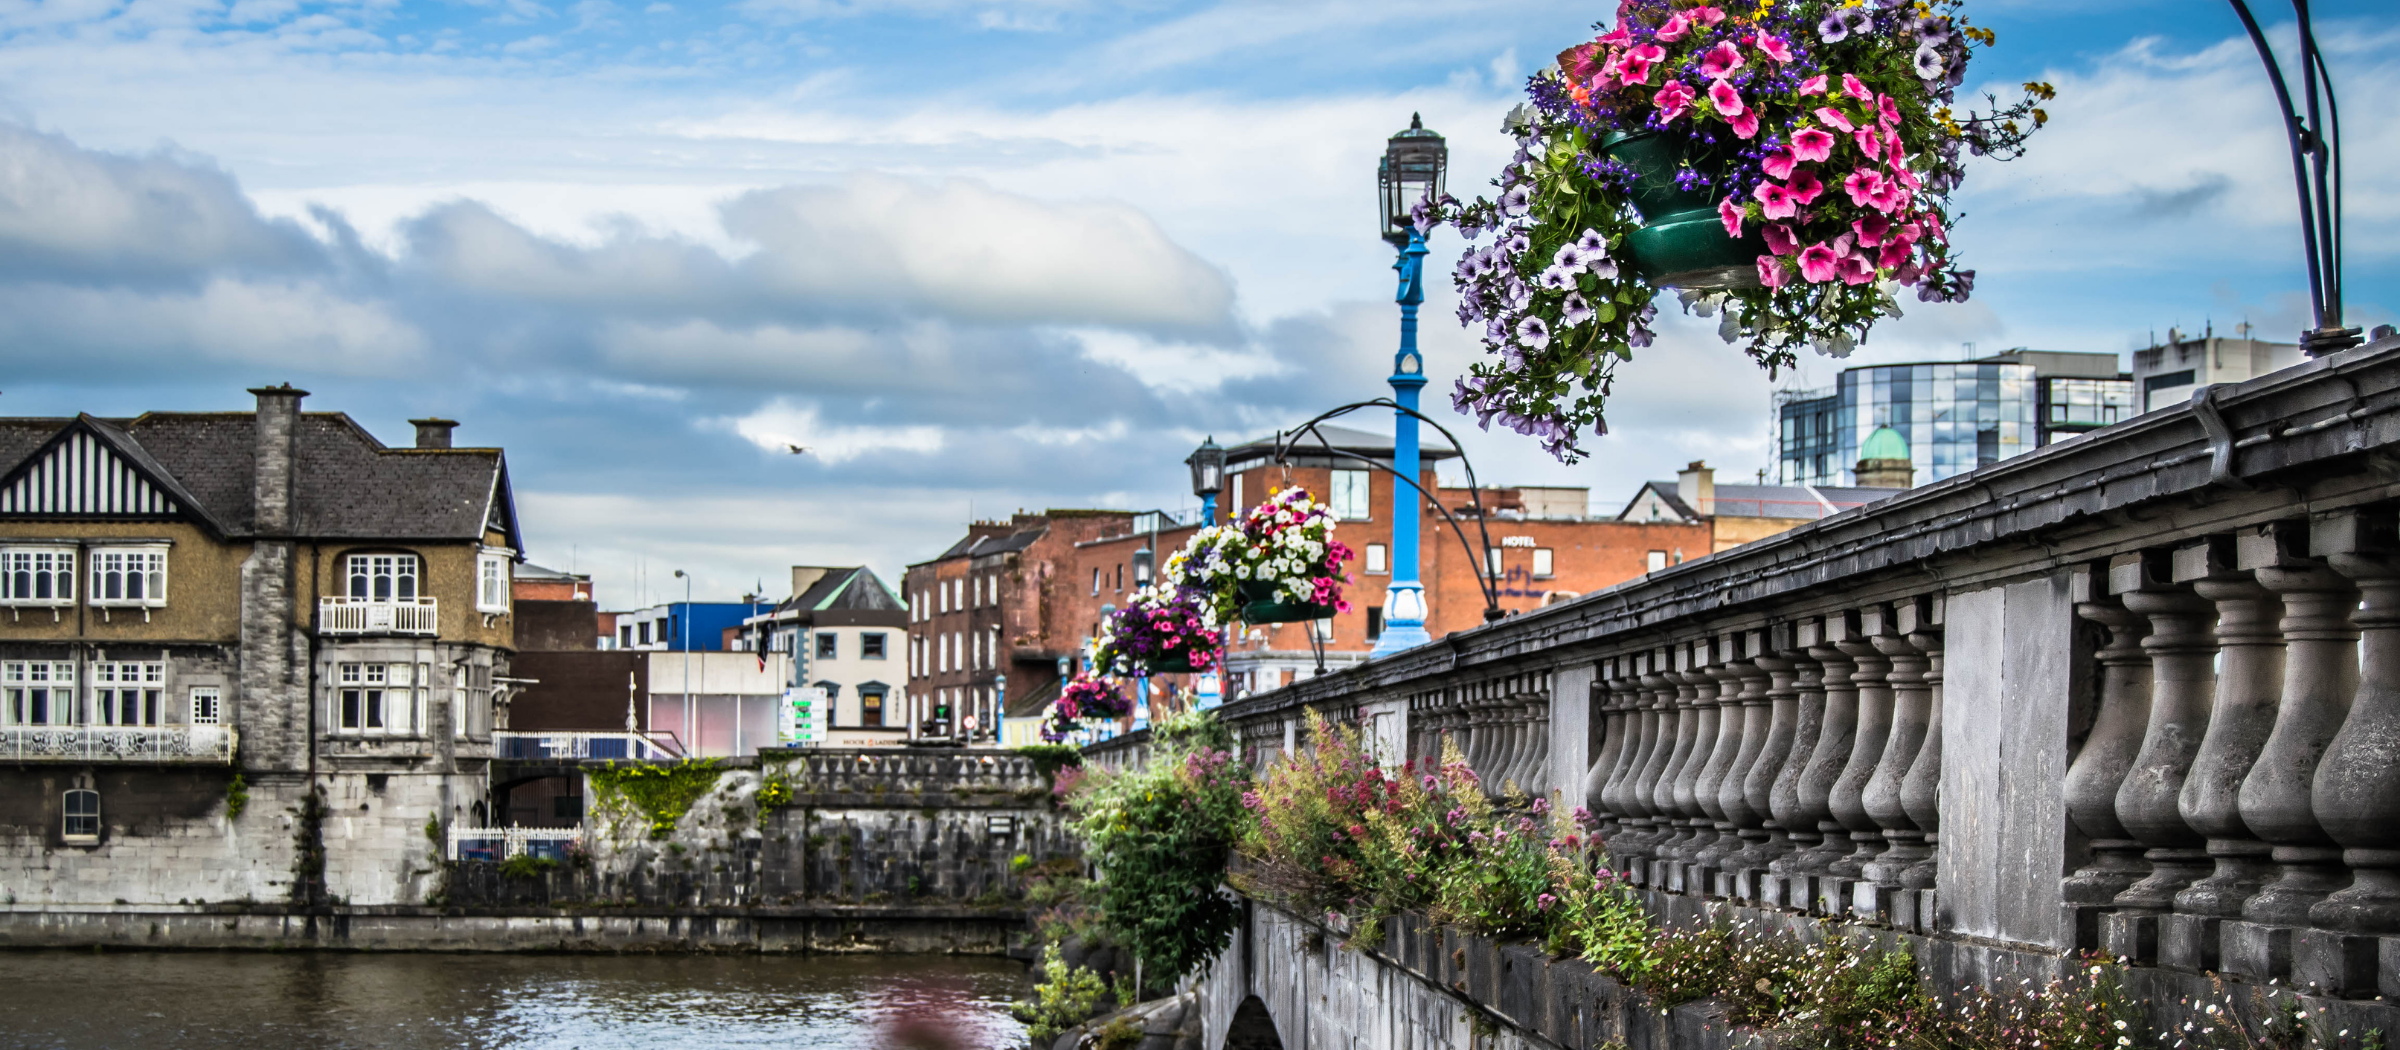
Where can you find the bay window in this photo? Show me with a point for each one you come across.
(491, 583)
(380, 698)
(37, 575)
(134, 576)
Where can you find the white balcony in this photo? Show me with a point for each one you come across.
(163, 745)
(541, 747)
(376, 616)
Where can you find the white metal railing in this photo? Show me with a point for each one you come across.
(343, 615)
(535, 746)
(502, 843)
(203, 745)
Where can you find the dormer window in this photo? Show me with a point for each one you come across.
(135, 576)
(491, 582)
(37, 575)
(383, 577)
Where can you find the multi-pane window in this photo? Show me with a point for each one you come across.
(128, 576)
(829, 645)
(38, 692)
(208, 705)
(379, 698)
(37, 575)
(1350, 500)
(491, 583)
(128, 693)
(871, 646)
(81, 808)
(383, 577)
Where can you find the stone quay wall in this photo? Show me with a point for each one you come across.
(2136, 692)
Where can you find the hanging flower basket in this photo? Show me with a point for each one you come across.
(1162, 629)
(1085, 697)
(1278, 564)
(1181, 661)
(1787, 166)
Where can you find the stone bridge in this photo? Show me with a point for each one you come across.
(2137, 692)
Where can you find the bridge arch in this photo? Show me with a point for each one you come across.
(1253, 1028)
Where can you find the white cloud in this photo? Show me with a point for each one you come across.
(60, 331)
(783, 424)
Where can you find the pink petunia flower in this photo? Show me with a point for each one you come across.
(1854, 269)
(1618, 37)
(1870, 142)
(1890, 197)
(1727, 100)
(1887, 112)
(1731, 215)
(1779, 238)
(1773, 47)
(1871, 229)
(1673, 99)
(1894, 255)
(1863, 185)
(1705, 15)
(1746, 125)
(1638, 62)
(1675, 28)
(1777, 201)
(1813, 145)
(1805, 187)
(1818, 264)
(1778, 164)
(1833, 118)
(1813, 86)
(1853, 88)
(1721, 59)
(1770, 271)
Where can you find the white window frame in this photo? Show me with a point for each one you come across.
(1353, 495)
(72, 828)
(1657, 561)
(1378, 559)
(1492, 562)
(52, 680)
(1545, 563)
(400, 565)
(207, 706)
(147, 564)
(492, 577)
(368, 692)
(53, 564)
(142, 684)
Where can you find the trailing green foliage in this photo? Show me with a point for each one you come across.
(1159, 838)
(237, 796)
(527, 866)
(661, 792)
(1048, 759)
(774, 791)
(1065, 997)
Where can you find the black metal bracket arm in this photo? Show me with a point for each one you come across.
(2316, 141)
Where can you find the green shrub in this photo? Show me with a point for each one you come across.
(527, 866)
(1159, 838)
(1067, 996)
(1048, 759)
(237, 796)
(662, 792)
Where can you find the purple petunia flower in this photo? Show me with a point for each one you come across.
(1592, 243)
(1518, 243)
(1575, 311)
(1556, 279)
(1833, 28)
(1514, 202)
(1533, 332)
(1929, 61)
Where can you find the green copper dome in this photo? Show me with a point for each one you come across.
(1884, 443)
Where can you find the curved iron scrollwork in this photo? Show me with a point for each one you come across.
(2316, 140)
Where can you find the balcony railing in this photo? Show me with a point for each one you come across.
(566, 746)
(503, 843)
(176, 745)
(376, 616)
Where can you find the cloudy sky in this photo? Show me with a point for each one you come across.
(976, 254)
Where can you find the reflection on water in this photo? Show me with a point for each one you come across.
(209, 1000)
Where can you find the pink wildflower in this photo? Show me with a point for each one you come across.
(1777, 164)
(1773, 47)
(1777, 201)
(1818, 263)
(1636, 67)
(1746, 125)
(1721, 60)
(1833, 118)
(1805, 187)
(1779, 238)
(1731, 214)
(1770, 271)
(1673, 99)
(1812, 144)
(1727, 100)
(1675, 28)
(1853, 88)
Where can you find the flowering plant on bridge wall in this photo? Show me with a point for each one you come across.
(1282, 551)
(1085, 697)
(1162, 626)
(1788, 164)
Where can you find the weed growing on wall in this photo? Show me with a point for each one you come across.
(661, 792)
(1064, 998)
(237, 796)
(1159, 838)
(1048, 759)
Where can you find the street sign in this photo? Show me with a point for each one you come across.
(802, 717)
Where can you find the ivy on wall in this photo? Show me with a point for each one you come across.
(662, 793)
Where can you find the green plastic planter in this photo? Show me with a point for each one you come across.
(1681, 242)
(1179, 662)
(1259, 605)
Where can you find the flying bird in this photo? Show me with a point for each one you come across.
(796, 449)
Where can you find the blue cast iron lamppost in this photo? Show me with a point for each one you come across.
(1208, 477)
(1413, 163)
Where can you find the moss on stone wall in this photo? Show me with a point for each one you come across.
(662, 792)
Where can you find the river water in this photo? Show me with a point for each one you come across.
(302, 1001)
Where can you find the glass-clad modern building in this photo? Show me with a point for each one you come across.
(1956, 416)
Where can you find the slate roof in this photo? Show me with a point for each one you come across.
(346, 484)
(1430, 445)
(856, 587)
(974, 545)
(1767, 501)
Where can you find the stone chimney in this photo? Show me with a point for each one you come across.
(1696, 485)
(434, 431)
(278, 433)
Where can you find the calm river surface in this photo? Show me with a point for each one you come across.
(209, 1000)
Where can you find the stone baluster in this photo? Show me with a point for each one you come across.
(1874, 727)
(1836, 737)
(1501, 709)
(2320, 677)
(2249, 682)
(1697, 692)
(1744, 794)
(1921, 792)
(1664, 725)
(1533, 765)
(1677, 724)
(1794, 824)
(2099, 767)
(1483, 734)
(1720, 837)
(1611, 717)
(1671, 811)
(2358, 780)
(1912, 712)
(2182, 646)
(1641, 724)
